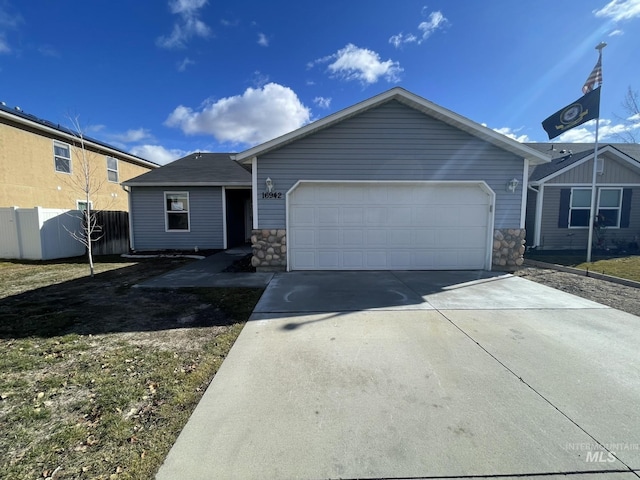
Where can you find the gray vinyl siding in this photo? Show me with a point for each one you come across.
(554, 238)
(390, 142)
(148, 219)
(615, 172)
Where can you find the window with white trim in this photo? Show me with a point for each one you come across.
(579, 207)
(176, 211)
(609, 207)
(62, 157)
(82, 205)
(112, 169)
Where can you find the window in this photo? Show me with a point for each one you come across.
(600, 166)
(62, 157)
(579, 207)
(82, 205)
(112, 169)
(609, 207)
(177, 211)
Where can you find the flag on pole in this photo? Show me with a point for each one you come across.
(594, 77)
(582, 110)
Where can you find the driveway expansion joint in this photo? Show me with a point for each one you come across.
(528, 385)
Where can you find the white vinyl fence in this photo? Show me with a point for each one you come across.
(38, 233)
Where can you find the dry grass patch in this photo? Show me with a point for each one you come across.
(98, 378)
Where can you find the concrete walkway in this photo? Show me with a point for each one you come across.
(419, 375)
(208, 272)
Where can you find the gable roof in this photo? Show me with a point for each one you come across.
(197, 169)
(45, 126)
(411, 100)
(566, 156)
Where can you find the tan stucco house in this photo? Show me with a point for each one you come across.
(39, 163)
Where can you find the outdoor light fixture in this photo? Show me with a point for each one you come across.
(269, 184)
(512, 185)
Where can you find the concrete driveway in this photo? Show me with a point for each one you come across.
(420, 375)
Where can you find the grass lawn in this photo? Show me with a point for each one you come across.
(623, 267)
(97, 378)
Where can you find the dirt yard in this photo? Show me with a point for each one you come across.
(617, 296)
(97, 377)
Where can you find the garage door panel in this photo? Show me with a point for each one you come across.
(376, 216)
(329, 238)
(388, 226)
(303, 237)
(353, 260)
(328, 216)
(400, 216)
(399, 238)
(424, 237)
(376, 259)
(329, 259)
(353, 238)
(303, 215)
(376, 238)
(353, 215)
(304, 259)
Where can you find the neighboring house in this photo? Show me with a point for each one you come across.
(394, 182)
(560, 195)
(41, 182)
(39, 164)
(202, 201)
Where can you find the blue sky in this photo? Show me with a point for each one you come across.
(163, 78)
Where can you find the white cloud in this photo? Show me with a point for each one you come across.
(4, 46)
(188, 25)
(157, 153)
(322, 102)
(616, 33)
(182, 66)
(263, 41)
(618, 10)
(258, 115)
(131, 136)
(435, 21)
(8, 21)
(513, 134)
(361, 64)
(608, 131)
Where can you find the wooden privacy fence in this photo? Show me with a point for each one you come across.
(115, 233)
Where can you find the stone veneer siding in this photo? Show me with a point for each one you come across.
(269, 250)
(508, 248)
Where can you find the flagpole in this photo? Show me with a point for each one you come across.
(592, 211)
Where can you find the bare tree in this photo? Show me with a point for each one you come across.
(631, 118)
(86, 180)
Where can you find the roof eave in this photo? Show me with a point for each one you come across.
(187, 184)
(68, 136)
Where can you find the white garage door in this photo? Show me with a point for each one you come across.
(388, 226)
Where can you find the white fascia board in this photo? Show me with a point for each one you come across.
(254, 193)
(187, 184)
(525, 193)
(421, 104)
(74, 138)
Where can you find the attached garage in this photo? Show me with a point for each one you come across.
(389, 225)
(392, 183)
